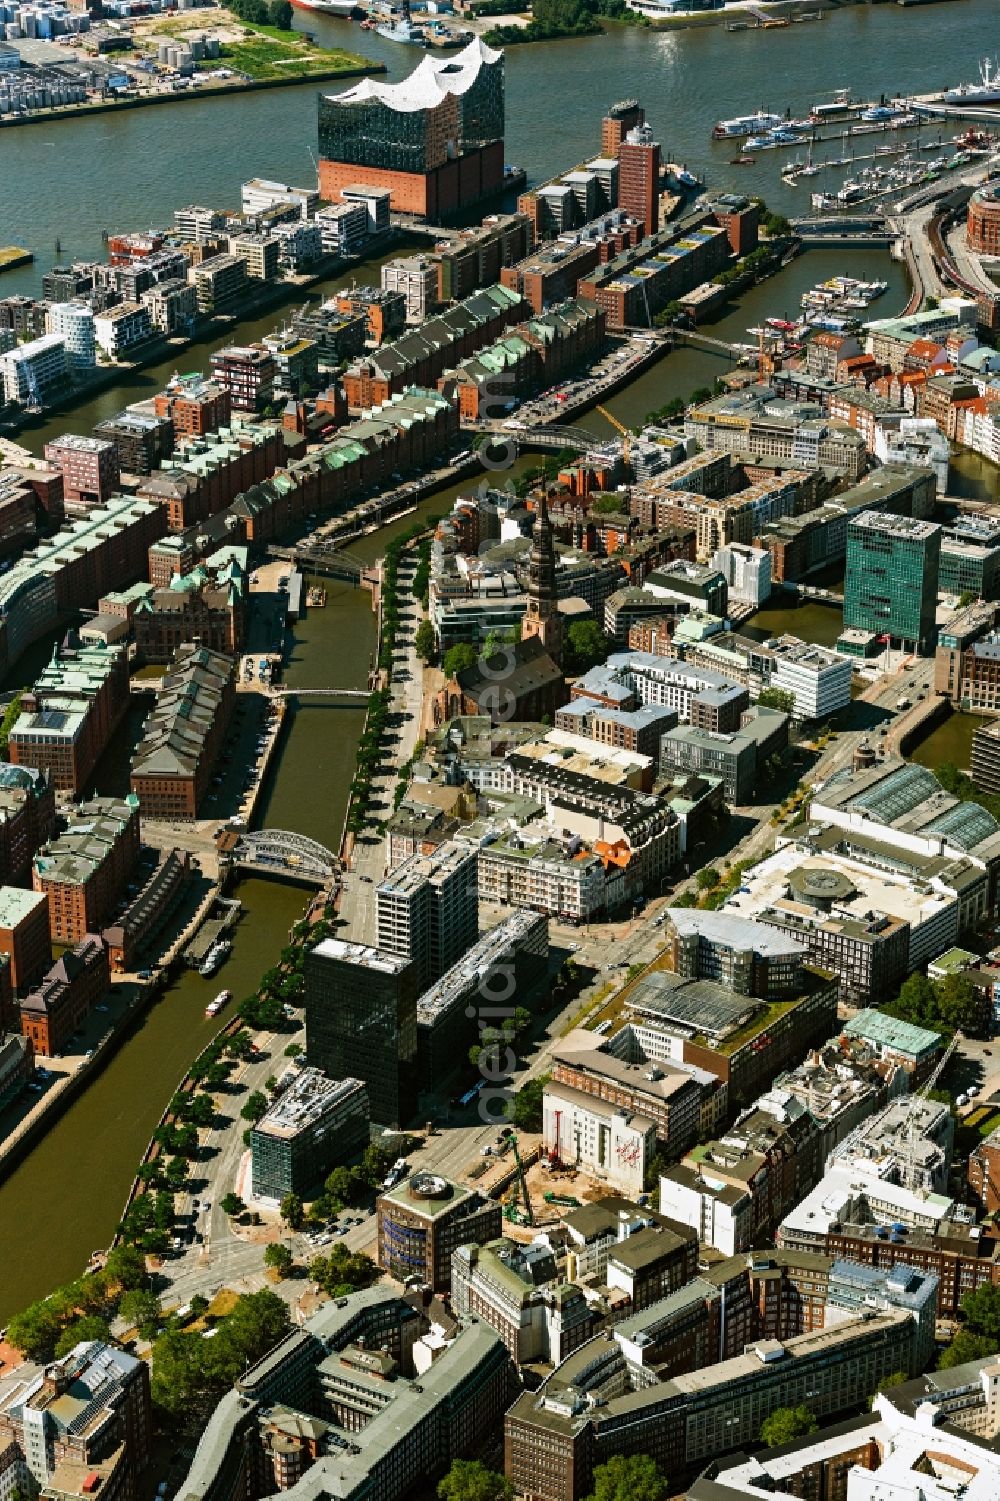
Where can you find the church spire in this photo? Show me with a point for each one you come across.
(543, 618)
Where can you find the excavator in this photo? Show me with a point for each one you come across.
(525, 1216)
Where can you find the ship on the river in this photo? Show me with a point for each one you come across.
(986, 91)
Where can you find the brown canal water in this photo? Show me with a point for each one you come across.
(66, 1198)
(949, 741)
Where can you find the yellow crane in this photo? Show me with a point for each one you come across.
(626, 448)
(625, 432)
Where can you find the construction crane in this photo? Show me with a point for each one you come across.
(921, 1095)
(529, 1213)
(911, 1107)
(626, 444)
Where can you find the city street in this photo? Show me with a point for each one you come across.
(367, 863)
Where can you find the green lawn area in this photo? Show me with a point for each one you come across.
(262, 56)
(260, 51)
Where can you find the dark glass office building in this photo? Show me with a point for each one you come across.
(361, 1023)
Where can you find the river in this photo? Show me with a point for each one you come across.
(131, 171)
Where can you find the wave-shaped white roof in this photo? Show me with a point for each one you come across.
(431, 81)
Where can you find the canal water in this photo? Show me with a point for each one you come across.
(949, 741)
(130, 171)
(65, 1199)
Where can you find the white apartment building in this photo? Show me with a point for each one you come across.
(417, 278)
(428, 909)
(604, 1140)
(262, 193)
(172, 305)
(818, 679)
(199, 223)
(914, 440)
(118, 329)
(747, 571)
(721, 1214)
(34, 372)
(299, 244)
(662, 681)
(260, 252)
(73, 322)
(574, 888)
(344, 227)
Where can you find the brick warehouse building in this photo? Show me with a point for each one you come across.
(62, 1002)
(637, 284)
(70, 714)
(435, 140)
(206, 474)
(183, 735)
(423, 354)
(85, 871)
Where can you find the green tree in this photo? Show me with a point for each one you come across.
(459, 658)
(708, 878)
(339, 1186)
(917, 1001)
(958, 1004)
(140, 1309)
(126, 1267)
(10, 716)
(981, 1310)
(586, 645)
(201, 1111)
(786, 1424)
(232, 1205)
(777, 698)
(279, 1257)
(628, 1477)
(470, 1480)
(343, 1271)
(293, 1050)
(966, 1346)
(254, 1108)
(528, 1103)
(279, 14)
(424, 642)
(895, 1378)
(91, 1327)
(292, 1211)
(35, 1330)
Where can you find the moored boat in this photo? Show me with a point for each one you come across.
(222, 999)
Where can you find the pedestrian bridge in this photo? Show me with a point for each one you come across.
(549, 436)
(285, 852)
(286, 692)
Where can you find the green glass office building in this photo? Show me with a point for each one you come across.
(892, 577)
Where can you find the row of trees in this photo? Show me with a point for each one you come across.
(277, 13)
(631, 1477)
(70, 1313)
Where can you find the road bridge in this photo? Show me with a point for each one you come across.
(283, 852)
